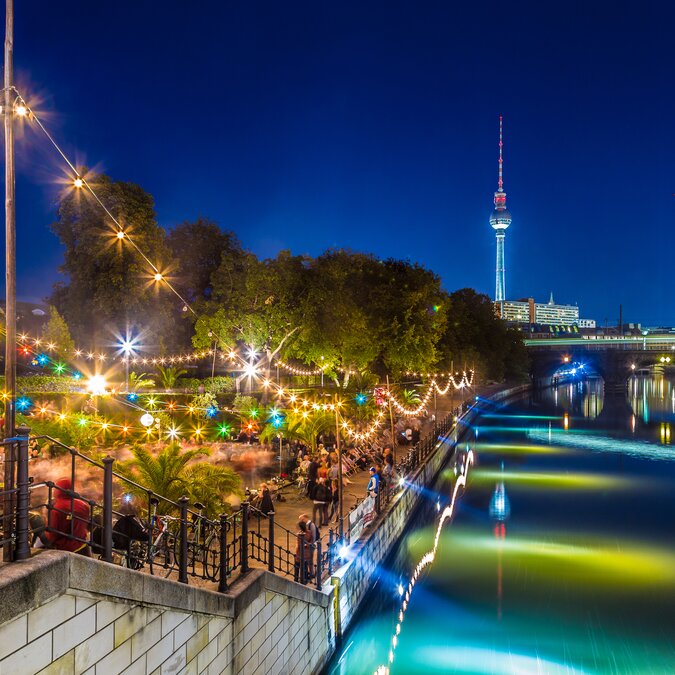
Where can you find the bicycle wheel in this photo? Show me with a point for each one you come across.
(136, 555)
(211, 555)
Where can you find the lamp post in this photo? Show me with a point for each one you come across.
(10, 274)
(340, 477)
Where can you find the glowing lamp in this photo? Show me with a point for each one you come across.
(343, 552)
(158, 277)
(147, 419)
(21, 110)
(120, 235)
(78, 182)
(96, 385)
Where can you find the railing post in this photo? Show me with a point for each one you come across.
(319, 565)
(301, 549)
(182, 559)
(222, 583)
(270, 544)
(107, 508)
(244, 537)
(330, 551)
(23, 495)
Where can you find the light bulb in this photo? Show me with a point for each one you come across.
(21, 110)
(78, 182)
(120, 235)
(158, 277)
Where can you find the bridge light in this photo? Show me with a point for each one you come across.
(566, 359)
(632, 366)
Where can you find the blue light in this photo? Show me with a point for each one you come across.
(211, 411)
(277, 422)
(23, 403)
(77, 376)
(42, 360)
(361, 399)
(132, 396)
(343, 552)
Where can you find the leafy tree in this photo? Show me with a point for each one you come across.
(168, 375)
(475, 336)
(110, 286)
(56, 331)
(173, 473)
(263, 308)
(199, 247)
(298, 427)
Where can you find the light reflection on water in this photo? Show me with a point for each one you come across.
(579, 574)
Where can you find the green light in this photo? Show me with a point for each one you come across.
(223, 429)
(254, 414)
(59, 368)
(561, 481)
(82, 422)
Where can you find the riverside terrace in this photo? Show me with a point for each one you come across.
(188, 547)
(67, 613)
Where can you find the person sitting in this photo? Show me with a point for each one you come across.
(68, 520)
(127, 531)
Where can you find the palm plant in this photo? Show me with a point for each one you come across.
(140, 381)
(410, 398)
(173, 473)
(297, 427)
(168, 376)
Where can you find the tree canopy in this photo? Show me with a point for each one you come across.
(351, 313)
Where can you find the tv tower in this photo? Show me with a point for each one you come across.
(500, 219)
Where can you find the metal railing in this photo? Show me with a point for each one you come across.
(177, 540)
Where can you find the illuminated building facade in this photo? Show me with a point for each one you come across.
(529, 311)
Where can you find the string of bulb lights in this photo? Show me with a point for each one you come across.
(250, 369)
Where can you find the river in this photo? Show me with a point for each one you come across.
(559, 556)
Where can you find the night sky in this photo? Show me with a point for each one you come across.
(373, 126)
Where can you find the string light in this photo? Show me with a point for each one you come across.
(426, 560)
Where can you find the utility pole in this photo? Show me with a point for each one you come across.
(10, 275)
(391, 421)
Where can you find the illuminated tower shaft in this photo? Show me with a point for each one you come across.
(500, 290)
(500, 219)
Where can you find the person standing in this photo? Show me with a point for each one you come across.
(321, 499)
(302, 552)
(373, 483)
(312, 475)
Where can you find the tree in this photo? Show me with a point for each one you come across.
(56, 332)
(475, 335)
(364, 314)
(263, 308)
(110, 286)
(199, 247)
(173, 473)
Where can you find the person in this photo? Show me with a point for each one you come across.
(388, 470)
(374, 482)
(315, 535)
(333, 471)
(323, 469)
(266, 505)
(127, 530)
(321, 498)
(38, 532)
(312, 475)
(335, 500)
(68, 520)
(303, 551)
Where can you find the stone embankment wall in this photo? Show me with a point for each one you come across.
(62, 613)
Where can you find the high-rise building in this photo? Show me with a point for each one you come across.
(500, 219)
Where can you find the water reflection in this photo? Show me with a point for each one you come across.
(585, 580)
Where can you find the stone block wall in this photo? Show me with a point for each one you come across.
(99, 619)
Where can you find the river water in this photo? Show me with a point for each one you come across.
(559, 556)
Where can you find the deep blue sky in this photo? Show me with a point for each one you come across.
(373, 126)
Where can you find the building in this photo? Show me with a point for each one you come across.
(500, 219)
(586, 323)
(529, 311)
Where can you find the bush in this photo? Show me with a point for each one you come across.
(45, 384)
(212, 385)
